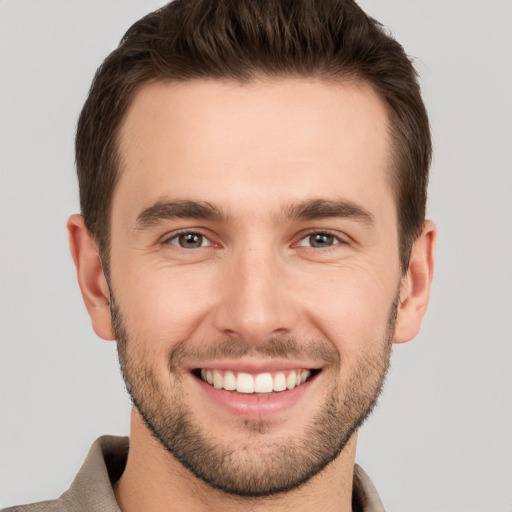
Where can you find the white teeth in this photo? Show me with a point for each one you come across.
(291, 380)
(218, 381)
(261, 383)
(303, 377)
(245, 383)
(229, 381)
(279, 382)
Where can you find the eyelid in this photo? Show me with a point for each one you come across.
(340, 240)
(166, 239)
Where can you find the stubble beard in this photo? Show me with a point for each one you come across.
(257, 466)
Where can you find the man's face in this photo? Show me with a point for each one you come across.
(254, 246)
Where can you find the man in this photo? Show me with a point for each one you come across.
(253, 183)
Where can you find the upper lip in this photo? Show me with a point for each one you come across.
(255, 366)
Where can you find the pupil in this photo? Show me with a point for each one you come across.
(191, 240)
(321, 240)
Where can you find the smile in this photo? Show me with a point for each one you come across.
(247, 383)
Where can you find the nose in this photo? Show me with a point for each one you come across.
(255, 302)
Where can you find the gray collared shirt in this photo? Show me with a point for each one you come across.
(92, 491)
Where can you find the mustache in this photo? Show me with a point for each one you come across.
(275, 348)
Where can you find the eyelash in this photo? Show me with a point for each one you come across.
(176, 235)
(337, 239)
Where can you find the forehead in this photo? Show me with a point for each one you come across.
(282, 139)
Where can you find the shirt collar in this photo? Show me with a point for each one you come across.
(105, 463)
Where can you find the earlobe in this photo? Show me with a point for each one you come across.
(91, 277)
(416, 284)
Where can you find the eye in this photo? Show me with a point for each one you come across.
(319, 240)
(189, 240)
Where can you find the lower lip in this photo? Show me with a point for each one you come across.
(254, 405)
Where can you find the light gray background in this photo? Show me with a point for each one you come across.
(441, 439)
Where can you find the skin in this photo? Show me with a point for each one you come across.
(252, 151)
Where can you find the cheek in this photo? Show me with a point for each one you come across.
(165, 305)
(351, 308)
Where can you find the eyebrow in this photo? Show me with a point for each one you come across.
(181, 209)
(328, 208)
(306, 210)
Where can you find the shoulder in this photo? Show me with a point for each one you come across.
(92, 487)
(42, 506)
(65, 503)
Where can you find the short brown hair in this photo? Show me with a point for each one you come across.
(242, 40)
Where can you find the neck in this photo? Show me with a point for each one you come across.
(154, 481)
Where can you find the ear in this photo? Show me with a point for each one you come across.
(415, 289)
(91, 278)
